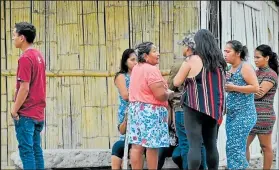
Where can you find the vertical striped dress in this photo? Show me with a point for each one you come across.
(206, 93)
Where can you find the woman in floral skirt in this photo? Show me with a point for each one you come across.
(148, 115)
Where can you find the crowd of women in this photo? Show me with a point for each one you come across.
(180, 117)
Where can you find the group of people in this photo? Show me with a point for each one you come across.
(180, 117)
(177, 118)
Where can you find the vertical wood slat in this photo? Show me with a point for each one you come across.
(77, 99)
(12, 142)
(3, 36)
(19, 13)
(51, 37)
(249, 33)
(39, 21)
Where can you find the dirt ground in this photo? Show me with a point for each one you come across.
(258, 163)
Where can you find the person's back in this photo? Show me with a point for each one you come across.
(34, 73)
(204, 89)
(203, 100)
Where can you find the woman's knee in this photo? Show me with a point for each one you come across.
(266, 148)
(137, 150)
(152, 151)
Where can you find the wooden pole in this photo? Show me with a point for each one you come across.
(75, 73)
(126, 146)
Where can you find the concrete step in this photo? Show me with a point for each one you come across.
(78, 158)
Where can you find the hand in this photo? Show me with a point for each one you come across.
(123, 127)
(260, 92)
(170, 94)
(14, 115)
(229, 87)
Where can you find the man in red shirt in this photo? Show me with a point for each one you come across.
(30, 97)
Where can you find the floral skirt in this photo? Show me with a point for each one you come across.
(148, 125)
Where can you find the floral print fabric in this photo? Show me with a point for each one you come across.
(148, 125)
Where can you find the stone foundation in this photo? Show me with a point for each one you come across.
(77, 158)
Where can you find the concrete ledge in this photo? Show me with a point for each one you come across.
(71, 158)
(77, 158)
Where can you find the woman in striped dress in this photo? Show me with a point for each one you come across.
(203, 75)
(241, 112)
(267, 73)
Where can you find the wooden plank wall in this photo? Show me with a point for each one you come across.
(82, 42)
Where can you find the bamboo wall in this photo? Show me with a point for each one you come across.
(82, 42)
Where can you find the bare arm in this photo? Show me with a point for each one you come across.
(264, 88)
(123, 126)
(182, 74)
(21, 96)
(159, 91)
(250, 78)
(121, 85)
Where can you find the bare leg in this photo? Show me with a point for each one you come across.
(152, 158)
(115, 162)
(136, 156)
(266, 145)
(249, 141)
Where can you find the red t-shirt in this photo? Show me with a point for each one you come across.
(31, 68)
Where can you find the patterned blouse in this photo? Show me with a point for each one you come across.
(267, 74)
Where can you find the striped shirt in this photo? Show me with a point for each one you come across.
(206, 93)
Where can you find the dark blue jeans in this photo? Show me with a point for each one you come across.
(29, 142)
(183, 141)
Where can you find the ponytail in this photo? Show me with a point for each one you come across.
(273, 62)
(273, 58)
(244, 53)
(239, 48)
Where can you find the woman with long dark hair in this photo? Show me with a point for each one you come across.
(203, 99)
(267, 73)
(241, 85)
(122, 82)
